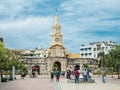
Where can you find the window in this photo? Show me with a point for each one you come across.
(90, 53)
(82, 54)
(102, 48)
(89, 48)
(94, 49)
(81, 49)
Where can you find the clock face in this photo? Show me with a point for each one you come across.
(56, 39)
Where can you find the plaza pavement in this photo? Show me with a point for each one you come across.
(111, 84)
(43, 83)
(40, 83)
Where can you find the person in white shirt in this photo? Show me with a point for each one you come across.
(85, 74)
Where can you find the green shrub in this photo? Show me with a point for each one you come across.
(110, 73)
(97, 73)
(6, 73)
(3, 79)
(11, 78)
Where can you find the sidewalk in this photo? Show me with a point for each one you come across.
(40, 83)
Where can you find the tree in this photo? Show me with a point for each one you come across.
(113, 59)
(8, 58)
(3, 53)
(85, 66)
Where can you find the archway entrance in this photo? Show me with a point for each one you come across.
(56, 65)
(77, 66)
(36, 68)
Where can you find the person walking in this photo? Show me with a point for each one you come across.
(103, 73)
(52, 75)
(85, 74)
(33, 73)
(76, 73)
(57, 73)
(23, 74)
(68, 74)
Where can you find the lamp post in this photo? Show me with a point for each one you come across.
(102, 63)
(13, 72)
(81, 66)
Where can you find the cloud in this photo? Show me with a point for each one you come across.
(17, 9)
(33, 22)
(82, 22)
(11, 7)
(28, 32)
(91, 7)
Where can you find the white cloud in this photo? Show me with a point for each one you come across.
(15, 8)
(82, 21)
(90, 8)
(29, 32)
(31, 23)
(12, 7)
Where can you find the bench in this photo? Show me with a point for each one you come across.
(81, 80)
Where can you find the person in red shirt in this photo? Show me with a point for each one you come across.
(76, 73)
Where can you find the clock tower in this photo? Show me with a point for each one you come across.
(56, 36)
(56, 53)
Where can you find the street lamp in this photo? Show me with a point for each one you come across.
(102, 63)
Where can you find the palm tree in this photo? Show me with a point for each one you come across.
(116, 57)
(113, 59)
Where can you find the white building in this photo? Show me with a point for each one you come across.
(36, 59)
(93, 49)
(39, 52)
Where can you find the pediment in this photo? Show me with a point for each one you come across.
(57, 51)
(57, 46)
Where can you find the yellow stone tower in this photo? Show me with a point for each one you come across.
(56, 36)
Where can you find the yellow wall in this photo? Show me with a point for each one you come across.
(73, 55)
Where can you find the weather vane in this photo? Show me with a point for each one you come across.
(56, 11)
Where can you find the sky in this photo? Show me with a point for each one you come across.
(27, 24)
